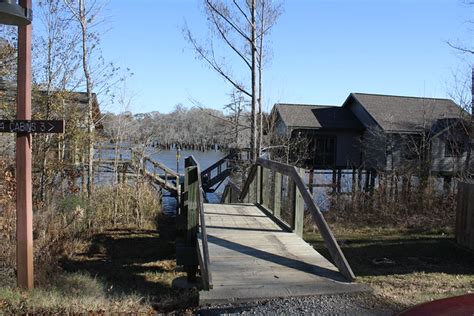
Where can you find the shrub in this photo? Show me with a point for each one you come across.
(62, 226)
(420, 207)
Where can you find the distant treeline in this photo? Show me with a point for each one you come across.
(190, 128)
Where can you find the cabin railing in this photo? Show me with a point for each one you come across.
(191, 221)
(279, 189)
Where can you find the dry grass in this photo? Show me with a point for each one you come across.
(403, 266)
(121, 270)
(70, 293)
(137, 262)
(99, 255)
(417, 287)
(426, 209)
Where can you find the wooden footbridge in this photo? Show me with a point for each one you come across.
(250, 245)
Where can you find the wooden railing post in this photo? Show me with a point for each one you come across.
(235, 195)
(227, 195)
(299, 207)
(193, 191)
(187, 224)
(259, 186)
(277, 197)
(251, 194)
(291, 195)
(266, 188)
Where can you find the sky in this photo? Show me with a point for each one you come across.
(322, 50)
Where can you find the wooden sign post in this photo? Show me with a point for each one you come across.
(24, 193)
(24, 127)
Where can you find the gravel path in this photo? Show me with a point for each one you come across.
(345, 304)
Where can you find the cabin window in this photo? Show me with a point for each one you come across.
(453, 148)
(325, 151)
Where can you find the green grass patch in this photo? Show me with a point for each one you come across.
(407, 267)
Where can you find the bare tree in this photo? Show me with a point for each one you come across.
(55, 65)
(236, 108)
(233, 122)
(84, 15)
(7, 74)
(243, 27)
(462, 92)
(7, 57)
(288, 145)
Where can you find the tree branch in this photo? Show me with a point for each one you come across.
(201, 52)
(462, 49)
(228, 42)
(243, 12)
(198, 105)
(232, 24)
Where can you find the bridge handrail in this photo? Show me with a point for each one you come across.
(292, 173)
(218, 163)
(155, 163)
(204, 260)
(231, 193)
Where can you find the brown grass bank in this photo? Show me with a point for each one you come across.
(405, 266)
(111, 253)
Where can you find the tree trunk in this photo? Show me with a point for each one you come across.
(468, 172)
(253, 129)
(260, 66)
(90, 118)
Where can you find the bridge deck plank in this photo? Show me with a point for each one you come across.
(251, 257)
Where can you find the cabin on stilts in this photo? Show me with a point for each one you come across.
(372, 136)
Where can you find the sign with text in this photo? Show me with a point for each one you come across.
(27, 126)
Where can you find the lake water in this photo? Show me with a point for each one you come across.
(205, 159)
(168, 158)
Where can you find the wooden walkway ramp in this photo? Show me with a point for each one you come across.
(252, 257)
(250, 246)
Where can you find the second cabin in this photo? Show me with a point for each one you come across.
(378, 132)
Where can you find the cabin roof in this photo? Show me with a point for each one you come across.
(406, 114)
(308, 116)
(8, 91)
